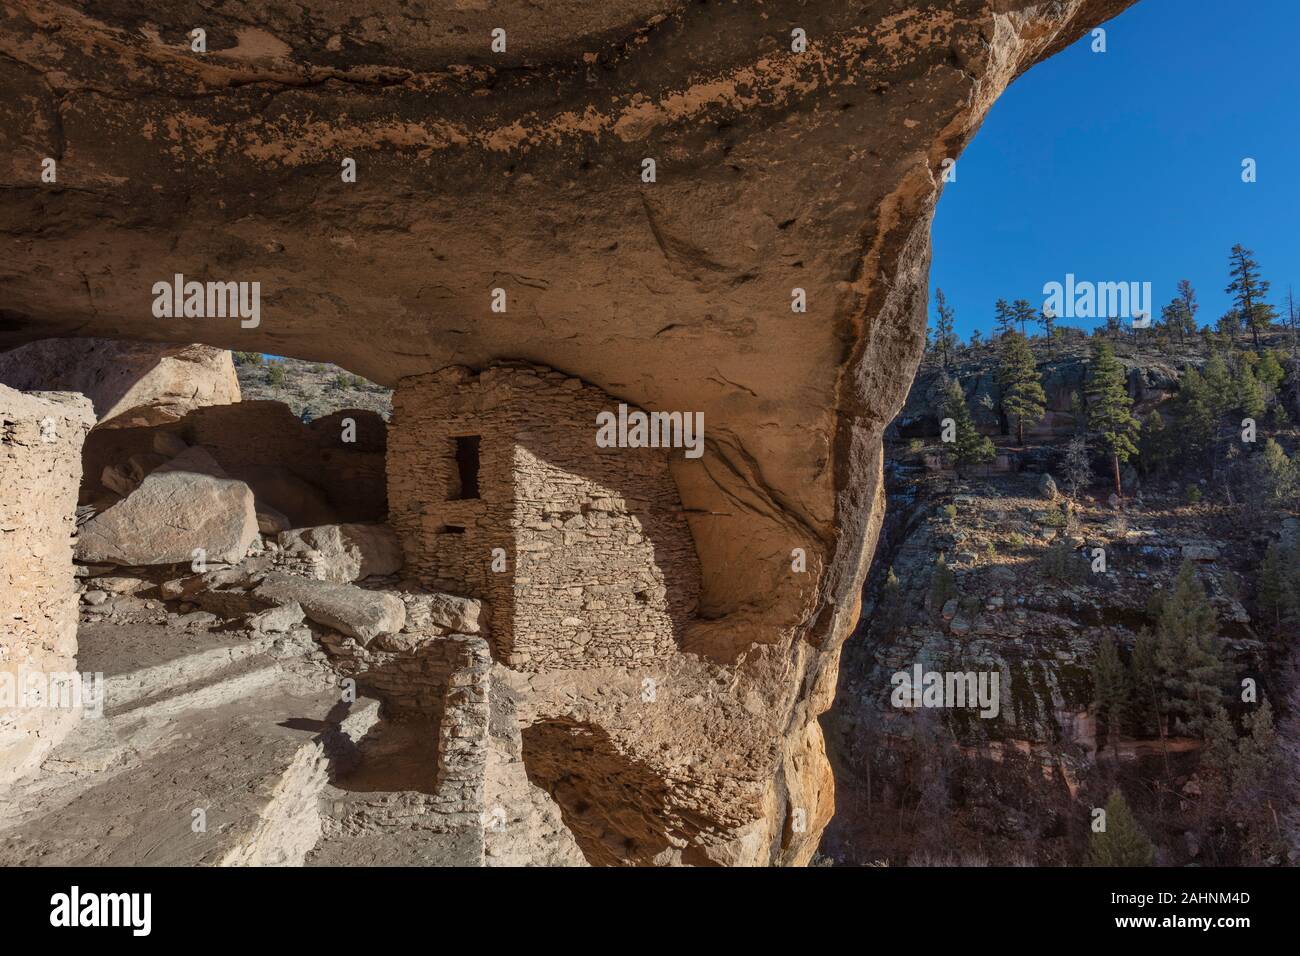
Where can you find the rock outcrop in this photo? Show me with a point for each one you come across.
(645, 190)
(348, 609)
(302, 475)
(1028, 575)
(343, 553)
(185, 506)
(131, 384)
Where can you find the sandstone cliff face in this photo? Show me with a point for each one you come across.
(522, 171)
(1027, 599)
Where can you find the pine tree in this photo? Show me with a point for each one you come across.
(1293, 323)
(1197, 423)
(1270, 372)
(1003, 318)
(969, 446)
(1291, 591)
(1215, 771)
(1218, 380)
(1275, 476)
(1256, 785)
(1247, 395)
(1144, 685)
(944, 339)
(1271, 589)
(1240, 787)
(1060, 563)
(1021, 386)
(1047, 322)
(1155, 451)
(1187, 654)
(1229, 325)
(1171, 319)
(1109, 408)
(1180, 314)
(1249, 291)
(1219, 396)
(1111, 692)
(887, 616)
(1024, 313)
(1257, 753)
(1122, 843)
(943, 584)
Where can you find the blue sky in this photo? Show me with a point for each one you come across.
(1126, 165)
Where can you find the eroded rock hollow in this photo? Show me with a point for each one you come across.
(680, 207)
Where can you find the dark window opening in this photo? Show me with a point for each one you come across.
(452, 529)
(466, 467)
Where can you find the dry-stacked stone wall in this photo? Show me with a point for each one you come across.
(41, 435)
(498, 489)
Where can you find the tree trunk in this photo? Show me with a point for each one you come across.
(1115, 463)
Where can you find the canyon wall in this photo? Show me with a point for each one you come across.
(675, 203)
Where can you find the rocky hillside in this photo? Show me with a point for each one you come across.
(310, 389)
(1000, 572)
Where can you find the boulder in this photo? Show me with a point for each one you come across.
(131, 384)
(348, 609)
(1200, 552)
(301, 502)
(277, 620)
(126, 477)
(185, 504)
(168, 444)
(446, 612)
(270, 521)
(343, 553)
(1047, 487)
(115, 584)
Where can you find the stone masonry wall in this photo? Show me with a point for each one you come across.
(463, 726)
(41, 435)
(427, 671)
(600, 567)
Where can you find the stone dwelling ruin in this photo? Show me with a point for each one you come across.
(518, 171)
(512, 536)
(498, 490)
